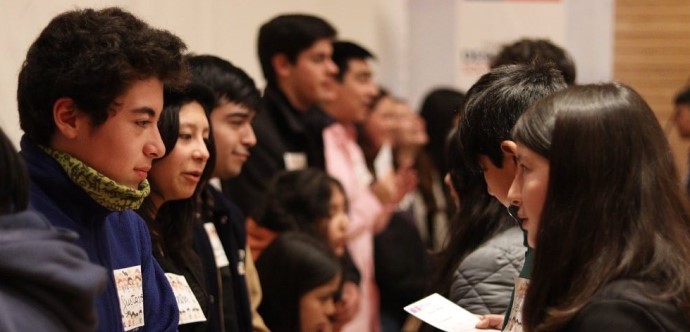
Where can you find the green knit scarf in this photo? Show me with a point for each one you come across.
(103, 190)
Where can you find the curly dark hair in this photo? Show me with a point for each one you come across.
(92, 57)
(526, 51)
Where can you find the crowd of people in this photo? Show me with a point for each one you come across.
(161, 190)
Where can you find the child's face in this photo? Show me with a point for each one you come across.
(316, 307)
(338, 222)
(528, 190)
(124, 146)
(177, 175)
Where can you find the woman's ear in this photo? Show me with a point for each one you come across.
(66, 117)
(509, 149)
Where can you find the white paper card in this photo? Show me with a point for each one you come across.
(216, 245)
(443, 314)
(131, 295)
(383, 163)
(514, 323)
(190, 310)
(295, 160)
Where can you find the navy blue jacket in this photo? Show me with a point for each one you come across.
(229, 223)
(114, 240)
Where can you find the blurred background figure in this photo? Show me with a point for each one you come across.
(526, 51)
(681, 117)
(311, 202)
(46, 281)
(402, 265)
(439, 110)
(300, 277)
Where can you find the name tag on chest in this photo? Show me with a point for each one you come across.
(131, 295)
(217, 246)
(295, 160)
(190, 310)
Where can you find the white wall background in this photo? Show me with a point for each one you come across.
(414, 40)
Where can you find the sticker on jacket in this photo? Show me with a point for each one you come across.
(131, 295)
(514, 323)
(216, 245)
(242, 254)
(295, 160)
(190, 310)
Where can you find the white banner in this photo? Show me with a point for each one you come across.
(484, 26)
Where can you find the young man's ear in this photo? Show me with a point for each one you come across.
(281, 65)
(509, 149)
(67, 118)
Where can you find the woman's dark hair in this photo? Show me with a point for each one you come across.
(299, 201)
(614, 207)
(479, 218)
(14, 191)
(439, 110)
(526, 51)
(292, 265)
(172, 225)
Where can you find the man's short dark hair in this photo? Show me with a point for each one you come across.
(92, 57)
(289, 35)
(493, 105)
(227, 82)
(526, 51)
(344, 51)
(683, 97)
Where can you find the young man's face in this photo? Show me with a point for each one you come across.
(124, 146)
(234, 136)
(683, 120)
(498, 180)
(356, 92)
(310, 77)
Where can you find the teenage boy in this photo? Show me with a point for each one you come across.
(491, 109)
(295, 54)
(237, 101)
(90, 94)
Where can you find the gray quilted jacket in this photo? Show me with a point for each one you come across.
(483, 283)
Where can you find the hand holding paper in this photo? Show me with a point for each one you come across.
(443, 314)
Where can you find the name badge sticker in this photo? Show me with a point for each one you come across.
(131, 295)
(190, 310)
(295, 160)
(218, 251)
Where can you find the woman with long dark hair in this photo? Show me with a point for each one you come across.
(172, 209)
(599, 197)
(300, 276)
